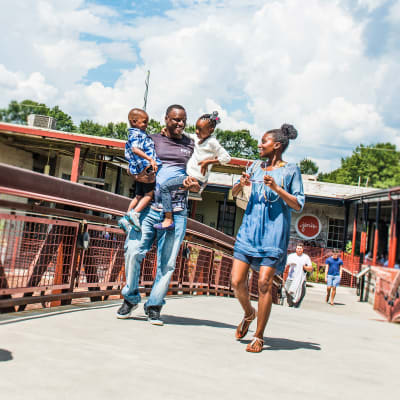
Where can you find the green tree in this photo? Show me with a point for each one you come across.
(238, 143)
(88, 127)
(308, 167)
(377, 164)
(17, 113)
(153, 127)
(118, 130)
(64, 121)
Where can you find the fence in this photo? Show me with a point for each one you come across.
(40, 263)
(42, 260)
(381, 279)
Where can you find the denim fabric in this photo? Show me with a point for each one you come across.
(167, 187)
(265, 228)
(333, 280)
(139, 243)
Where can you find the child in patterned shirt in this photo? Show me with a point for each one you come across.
(143, 165)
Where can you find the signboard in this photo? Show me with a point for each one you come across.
(308, 226)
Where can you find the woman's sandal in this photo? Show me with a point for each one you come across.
(256, 345)
(243, 327)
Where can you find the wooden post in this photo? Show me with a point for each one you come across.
(353, 248)
(75, 164)
(393, 235)
(376, 235)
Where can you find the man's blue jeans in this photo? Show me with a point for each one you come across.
(137, 244)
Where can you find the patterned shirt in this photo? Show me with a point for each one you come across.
(141, 140)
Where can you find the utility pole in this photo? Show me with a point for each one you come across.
(146, 90)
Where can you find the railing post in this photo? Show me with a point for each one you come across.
(75, 163)
(376, 235)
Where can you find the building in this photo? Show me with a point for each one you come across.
(333, 213)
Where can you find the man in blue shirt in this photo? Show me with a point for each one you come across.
(333, 274)
(174, 150)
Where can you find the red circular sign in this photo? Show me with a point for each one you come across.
(308, 226)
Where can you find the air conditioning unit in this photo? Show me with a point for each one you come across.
(42, 121)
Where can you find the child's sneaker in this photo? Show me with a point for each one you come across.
(124, 224)
(134, 218)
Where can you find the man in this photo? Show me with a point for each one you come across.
(299, 264)
(333, 274)
(174, 150)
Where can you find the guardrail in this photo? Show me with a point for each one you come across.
(42, 259)
(381, 280)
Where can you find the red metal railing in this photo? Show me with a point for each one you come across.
(384, 278)
(40, 263)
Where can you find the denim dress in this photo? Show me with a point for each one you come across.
(265, 227)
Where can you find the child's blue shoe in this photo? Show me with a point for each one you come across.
(134, 219)
(164, 228)
(124, 224)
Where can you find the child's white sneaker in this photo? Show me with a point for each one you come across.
(134, 217)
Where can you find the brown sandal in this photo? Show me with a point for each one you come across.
(256, 345)
(244, 326)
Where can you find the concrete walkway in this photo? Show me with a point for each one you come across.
(316, 352)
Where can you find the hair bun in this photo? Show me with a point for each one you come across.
(289, 130)
(214, 117)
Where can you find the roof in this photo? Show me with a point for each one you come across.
(29, 137)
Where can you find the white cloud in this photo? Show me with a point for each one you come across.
(17, 86)
(120, 51)
(259, 63)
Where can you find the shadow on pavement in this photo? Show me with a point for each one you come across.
(173, 320)
(286, 344)
(5, 355)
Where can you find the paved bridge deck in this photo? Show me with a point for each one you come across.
(316, 352)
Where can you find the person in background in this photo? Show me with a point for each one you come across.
(295, 286)
(333, 274)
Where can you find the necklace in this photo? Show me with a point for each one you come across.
(266, 196)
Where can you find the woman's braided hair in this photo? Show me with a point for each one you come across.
(213, 118)
(283, 135)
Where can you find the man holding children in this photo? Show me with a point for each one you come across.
(154, 161)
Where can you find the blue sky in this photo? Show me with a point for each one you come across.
(331, 68)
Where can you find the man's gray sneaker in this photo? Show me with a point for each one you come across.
(126, 309)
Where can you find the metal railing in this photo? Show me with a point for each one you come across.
(42, 259)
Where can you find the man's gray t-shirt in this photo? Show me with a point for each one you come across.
(174, 155)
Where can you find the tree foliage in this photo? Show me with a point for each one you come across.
(378, 164)
(238, 143)
(308, 167)
(17, 113)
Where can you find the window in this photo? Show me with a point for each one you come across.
(335, 233)
(226, 222)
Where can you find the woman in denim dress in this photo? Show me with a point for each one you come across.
(262, 240)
